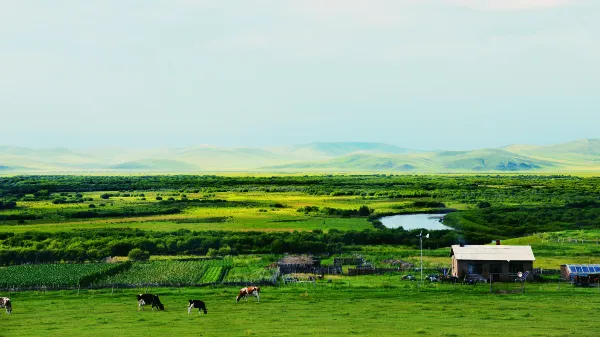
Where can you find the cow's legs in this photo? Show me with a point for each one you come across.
(190, 308)
(257, 297)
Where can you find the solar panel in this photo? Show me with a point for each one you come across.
(572, 269)
(579, 269)
(597, 269)
(585, 269)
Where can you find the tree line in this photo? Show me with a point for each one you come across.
(96, 245)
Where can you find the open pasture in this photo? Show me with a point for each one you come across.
(490, 206)
(325, 310)
(241, 211)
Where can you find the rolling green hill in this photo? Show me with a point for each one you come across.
(155, 165)
(580, 155)
(478, 160)
(337, 149)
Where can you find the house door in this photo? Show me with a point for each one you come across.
(496, 268)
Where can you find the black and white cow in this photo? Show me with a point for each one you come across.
(198, 305)
(5, 303)
(149, 299)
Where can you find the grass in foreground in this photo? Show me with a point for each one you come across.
(324, 310)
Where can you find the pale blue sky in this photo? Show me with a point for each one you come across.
(425, 74)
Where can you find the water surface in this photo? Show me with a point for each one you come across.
(415, 221)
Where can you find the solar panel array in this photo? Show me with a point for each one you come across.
(583, 269)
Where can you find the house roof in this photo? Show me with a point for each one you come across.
(297, 259)
(492, 253)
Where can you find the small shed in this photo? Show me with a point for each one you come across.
(570, 271)
(504, 262)
(298, 264)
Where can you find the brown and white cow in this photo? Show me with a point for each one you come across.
(248, 291)
(5, 303)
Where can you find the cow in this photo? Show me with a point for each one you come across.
(197, 304)
(5, 303)
(248, 291)
(149, 299)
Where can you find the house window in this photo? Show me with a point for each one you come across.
(475, 268)
(515, 267)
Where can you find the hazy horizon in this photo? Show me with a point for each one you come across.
(424, 75)
(277, 146)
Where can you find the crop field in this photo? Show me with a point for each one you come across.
(248, 274)
(166, 272)
(171, 272)
(325, 310)
(55, 275)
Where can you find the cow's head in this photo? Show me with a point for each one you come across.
(161, 306)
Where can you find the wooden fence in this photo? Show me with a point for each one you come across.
(371, 271)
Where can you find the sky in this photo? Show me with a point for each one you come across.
(422, 74)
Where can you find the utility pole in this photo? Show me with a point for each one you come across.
(421, 240)
(421, 237)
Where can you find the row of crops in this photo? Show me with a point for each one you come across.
(171, 272)
(57, 275)
(167, 272)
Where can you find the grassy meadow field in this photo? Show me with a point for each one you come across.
(340, 310)
(66, 259)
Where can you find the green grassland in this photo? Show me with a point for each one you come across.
(242, 211)
(239, 211)
(390, 309)
(252, 221)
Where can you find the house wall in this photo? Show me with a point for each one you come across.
(460, 268)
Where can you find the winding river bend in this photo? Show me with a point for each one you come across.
(415, 221)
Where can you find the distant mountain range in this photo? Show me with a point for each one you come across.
(579, 155)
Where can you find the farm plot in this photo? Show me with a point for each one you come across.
(249, 274)
(56, 275)
(169, 272)
(214, 274)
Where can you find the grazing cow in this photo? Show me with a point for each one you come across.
(248, 291)
(149, 299)
(5, 303)
(197, 304)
